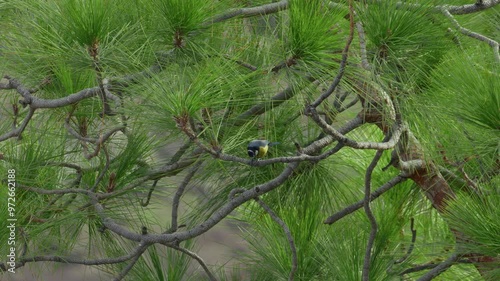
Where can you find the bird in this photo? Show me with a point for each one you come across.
(258, 148)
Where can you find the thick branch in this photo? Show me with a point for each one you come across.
(471, 8)
(391, 143)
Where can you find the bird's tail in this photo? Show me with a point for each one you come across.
(273, 143)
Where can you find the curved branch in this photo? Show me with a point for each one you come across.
(179, 193)
(19, 130)
(197, 258)
(389, 144)
(369, 213)
(250, 12)
(343, 62)
(35, 102)
(317, 145)
(288, 234)
(126, 270)
(493, 44)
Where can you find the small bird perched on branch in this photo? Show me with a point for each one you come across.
(258, 148)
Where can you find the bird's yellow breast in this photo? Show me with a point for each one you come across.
(262, 151)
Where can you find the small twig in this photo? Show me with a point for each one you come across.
(197, 258)
(103, 171)
(150, 192)
(177, 156)
(178, 194)
(419, 268)
(242, 63)
(165, 171)
(339, 99)
(234, 192)
(429, 265)
(349, 105)
(288, 234)
(131, 264)
(369, 213)
(440, 268)
(472, 185)
(412, 245)
(18, 132)
(343, 62)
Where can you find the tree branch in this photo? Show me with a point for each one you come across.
(493, 44)
(391, 143)
(288, 234)
(180, 191)
(131, 264)
(412, 245)
(19, 130)
(197, 258)
(343, 62)
(71, 260)
(471, 8)
(440, 268)
(369, 213)
(358, 205)
(250, 12)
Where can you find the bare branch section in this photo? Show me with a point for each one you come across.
(35, 102)
(412, 245)
(369, 213)
(440, 268)
(391, 143)
(178, 194)
(129, 267)
(72, 260)
(193, 255)
(374, 195)
(480, 5)
(19, 130)
(493, 44)
(250, 12)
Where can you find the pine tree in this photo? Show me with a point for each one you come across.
(125, 124)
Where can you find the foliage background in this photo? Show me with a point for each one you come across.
(194, 76)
